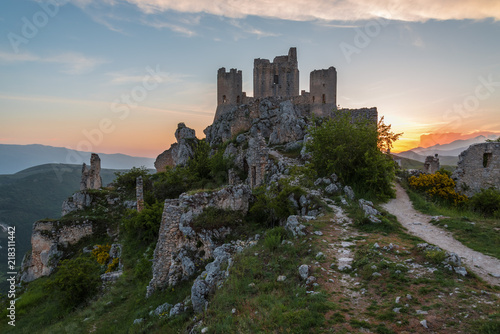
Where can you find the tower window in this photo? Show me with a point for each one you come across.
(224, 100)
(276, 79)
(238, 99)
(314, 98)
(324, 98)
(486, 160)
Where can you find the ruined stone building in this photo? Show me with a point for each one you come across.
(478, 167)
(278, 114)
(278, 79)
(431, 164)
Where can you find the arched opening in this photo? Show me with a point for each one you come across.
(276, 79)
(224, 100)
(314, 98)
(238, 99)
(324, 98)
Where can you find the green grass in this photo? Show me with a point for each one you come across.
(468, 227)
(269, 306)
(480, 235)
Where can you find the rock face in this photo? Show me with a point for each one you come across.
(478, 167)
(47, 241)
(78, 201)
(280, 121)
(431, 164)
(179, 153)
(91, 178)
(180, 249)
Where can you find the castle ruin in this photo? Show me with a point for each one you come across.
(278, 79)
(478, 168)
(431, 164)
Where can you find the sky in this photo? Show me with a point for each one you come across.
(117, 76)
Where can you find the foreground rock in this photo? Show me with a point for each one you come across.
(48, 240)
(180, 249)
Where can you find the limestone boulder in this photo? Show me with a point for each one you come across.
(179, 153)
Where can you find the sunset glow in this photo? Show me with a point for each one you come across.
(117, 76)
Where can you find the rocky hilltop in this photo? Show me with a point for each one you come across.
(237, 232)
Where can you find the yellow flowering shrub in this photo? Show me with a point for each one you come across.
(437, 186)
(101, 254)
(113, 265)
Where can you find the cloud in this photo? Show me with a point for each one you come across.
(347, 10)
(246, 28)
(71, 62)
(174, 27)
(17, 57)
(75, 63)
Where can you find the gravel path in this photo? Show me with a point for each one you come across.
(485, 266)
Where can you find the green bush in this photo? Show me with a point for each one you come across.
(352, 150)
(274, 237)
(144, 225)
(273, 206)
(206, 170)
(435, 256)
(127, 180)
(486, 202)
(76, 281)
(214, 218)
(172, 183)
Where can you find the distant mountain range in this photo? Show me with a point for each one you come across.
(448, 153)
(14, 158)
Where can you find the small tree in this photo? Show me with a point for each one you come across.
(351, 149)
(76, 280)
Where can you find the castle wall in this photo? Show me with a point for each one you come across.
(277, 79)
(478, 167)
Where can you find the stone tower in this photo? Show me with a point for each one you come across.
(431, 164)
(323, 91)
(277, 79)
(229, 90)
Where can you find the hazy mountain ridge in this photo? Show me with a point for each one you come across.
(16, 158)
(448, 153)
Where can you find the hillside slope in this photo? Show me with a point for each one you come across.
(33, 194)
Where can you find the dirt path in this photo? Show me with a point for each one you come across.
(418, 224)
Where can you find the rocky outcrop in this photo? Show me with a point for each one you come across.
(180, 249)
(78, 201)
(179, 153)
(48, 239)
(478, 167)
(276, 120)
(91, 177)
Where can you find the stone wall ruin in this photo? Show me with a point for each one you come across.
(431, 164)
(478, 168)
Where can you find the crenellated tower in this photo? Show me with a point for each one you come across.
(229, 90)
(279, 78)
(323, 90)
